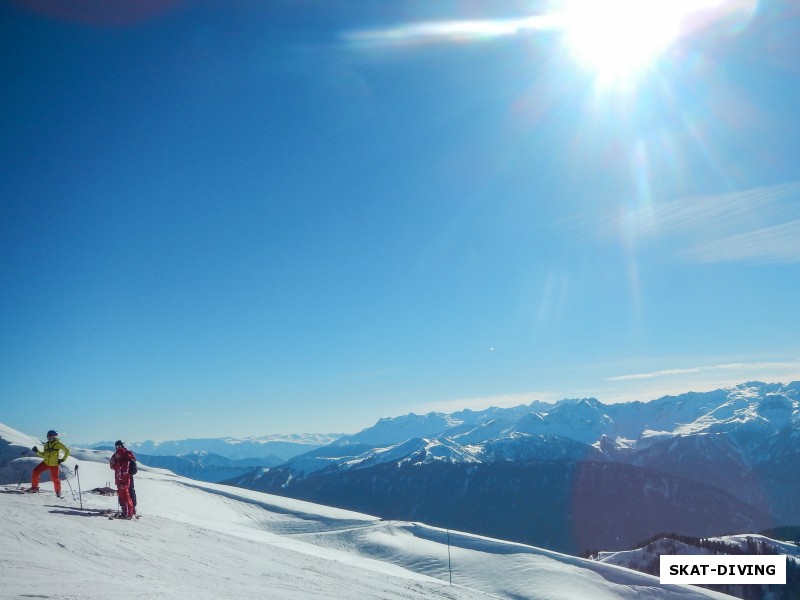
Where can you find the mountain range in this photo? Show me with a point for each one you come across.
(575, 475)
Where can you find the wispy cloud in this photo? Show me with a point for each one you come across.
(757, 366)
(778, 244)
(755, 225)
(654, 374)
(644, 386)
(649, 385)
(451, 31)
(582, 17)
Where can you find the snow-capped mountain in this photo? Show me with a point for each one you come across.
(415, 451)
(208, 541)
(728, 447)
(393, 430)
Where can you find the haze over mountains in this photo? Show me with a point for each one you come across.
(218, 459)
(282, 447)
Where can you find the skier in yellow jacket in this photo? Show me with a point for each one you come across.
(52, 459)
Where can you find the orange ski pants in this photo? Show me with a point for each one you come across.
(41, 468)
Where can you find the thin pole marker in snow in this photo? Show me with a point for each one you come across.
(449, 564)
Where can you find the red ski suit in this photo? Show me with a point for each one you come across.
(120, 462)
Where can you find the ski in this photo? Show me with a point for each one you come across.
(30, 491)
(116, 515)
(19, 491)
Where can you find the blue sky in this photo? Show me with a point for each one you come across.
(281, 217)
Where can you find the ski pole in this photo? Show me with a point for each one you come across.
(66, 478)
(21, 475)
(80, 497)
(21, 471)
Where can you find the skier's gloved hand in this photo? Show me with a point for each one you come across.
(35, 449)
(61, 460)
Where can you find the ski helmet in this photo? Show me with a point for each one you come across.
(119, 444)
(52, 432)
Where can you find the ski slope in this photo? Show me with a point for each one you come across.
(202, 540)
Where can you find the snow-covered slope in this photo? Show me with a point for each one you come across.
(640, 557)
(647, 559)
(202, 540)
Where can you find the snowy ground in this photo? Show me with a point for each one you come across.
(640, 557)
(200, 540)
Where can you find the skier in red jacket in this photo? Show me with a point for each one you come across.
(121, 463)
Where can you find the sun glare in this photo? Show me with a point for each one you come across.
(619, 40)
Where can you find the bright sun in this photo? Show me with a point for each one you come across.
(619, 40)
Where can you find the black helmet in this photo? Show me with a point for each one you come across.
(119, 443)
(52, 432)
